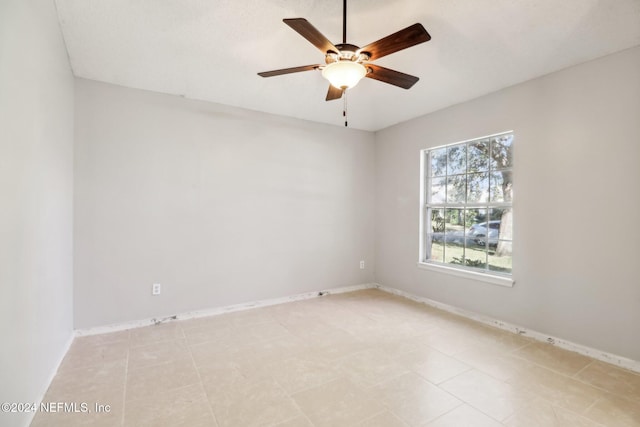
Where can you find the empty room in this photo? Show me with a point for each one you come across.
(316, 213)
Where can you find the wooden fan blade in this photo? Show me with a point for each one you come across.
(334, 93)
(403, 39)
(309, 32)
(288, 70)
(392, 77)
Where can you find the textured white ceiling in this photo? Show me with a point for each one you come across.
(212, 49)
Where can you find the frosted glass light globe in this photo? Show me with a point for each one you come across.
(344, 74)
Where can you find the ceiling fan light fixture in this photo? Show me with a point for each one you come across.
(344, 74)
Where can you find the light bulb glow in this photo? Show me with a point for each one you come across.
(344, 74)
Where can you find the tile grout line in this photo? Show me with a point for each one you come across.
(575, 376)
(462, 403)
(306, 389)
(295, 402)
(572, 377)
(126, 380)
(582, 414)
(508, 381)
(195, 366)
(382, 411)
(584, 383)
(553, 370)
(586, 410)
(404, 423)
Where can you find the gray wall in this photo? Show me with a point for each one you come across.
(36, 201)
(576, 203)
(219, 205)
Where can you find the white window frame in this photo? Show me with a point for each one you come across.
(496, 278)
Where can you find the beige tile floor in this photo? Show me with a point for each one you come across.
(363, 359)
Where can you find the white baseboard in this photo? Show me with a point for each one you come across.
(219, 310)
(613, 359)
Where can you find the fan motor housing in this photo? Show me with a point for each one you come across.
(347, 52)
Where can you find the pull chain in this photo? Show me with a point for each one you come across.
(344, 108)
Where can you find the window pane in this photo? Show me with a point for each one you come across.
(485, 233)
(500, 257)
(475, 216)
(478, 156)
(493, 234)
(502, 152)
(454, 235)
(475, 219)
(501, 186)
(454, 219)
(435, 247)
(437, 221)
(453, 253)
(477, 187)
(456, 159)
(495, 188)
(476, 258)
(454, 225)
(500, 225)
(435, 236)
(456, 188)
(437, 191)
(438, 160)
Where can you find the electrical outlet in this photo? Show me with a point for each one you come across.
(361, 265)
(156, 289)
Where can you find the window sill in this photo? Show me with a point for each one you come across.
(473, 275)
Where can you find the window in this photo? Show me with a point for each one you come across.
(466, 212)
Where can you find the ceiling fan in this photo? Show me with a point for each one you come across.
(346, 64)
